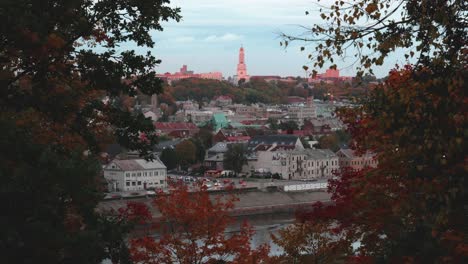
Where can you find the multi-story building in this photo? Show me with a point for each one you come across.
(302, 112)
(348, 158)
(135, 175)
(298, 164)
(185, 74)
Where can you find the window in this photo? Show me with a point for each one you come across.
(133, 183)
(145, 173)
(139, 174)
(127, 174)
(161, 181)
(327, 162)
(133, 174)
(150, 173)
(127, 183)
(139, 183)
(155, 173)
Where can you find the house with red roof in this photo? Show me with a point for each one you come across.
(177, 130)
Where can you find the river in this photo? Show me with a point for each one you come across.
(265, 226)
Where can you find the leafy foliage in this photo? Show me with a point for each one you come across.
(334, 141)
(62, 99)
(412, 207)
(192, 230)
(186, 153)
(427, 30)
(235, 158)
(311, 242)
(169, 158)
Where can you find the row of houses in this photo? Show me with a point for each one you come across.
(286, 156)
(283, 155)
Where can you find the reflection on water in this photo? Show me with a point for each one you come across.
(265, 226)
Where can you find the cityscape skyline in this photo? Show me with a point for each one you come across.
(210, 33)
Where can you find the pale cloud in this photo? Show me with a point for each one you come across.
(185, 39)
(225, 37)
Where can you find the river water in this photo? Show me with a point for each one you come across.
(265, 226)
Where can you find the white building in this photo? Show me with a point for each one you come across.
(135, 175)
(301, 112)
(298, 164)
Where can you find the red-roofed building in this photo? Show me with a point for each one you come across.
(178, 130)
(231, 135)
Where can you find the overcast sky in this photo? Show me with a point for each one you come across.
(211, 31)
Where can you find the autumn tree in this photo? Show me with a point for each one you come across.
(311, 242)
(61, 81)
(234, 158)
(193, 230)
(412, 207)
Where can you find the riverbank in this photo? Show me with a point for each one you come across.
(252, 202)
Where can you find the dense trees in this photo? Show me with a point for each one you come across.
(169, 158)
(254, 91)
(186, 153)
(311, 243)
(412, 207)
(60, 103)
(192, 230)
(334, 141)
(289, 126)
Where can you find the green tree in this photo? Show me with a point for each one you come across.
(289, 126)
(200, 149)
(329, 142)
(60, 104)
(273, 123)
(169, 158)
(235, 157)
(186, 153)
(205, 135)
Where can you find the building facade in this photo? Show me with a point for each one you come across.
(348, 158)
(298, 164)
(135, 175)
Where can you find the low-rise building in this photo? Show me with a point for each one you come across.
(178, 130)
(222, 101)
(135, 174)
(214, 157)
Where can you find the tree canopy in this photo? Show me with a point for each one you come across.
(192, 230)
(235, 157)
(62, 84)
(412, 207)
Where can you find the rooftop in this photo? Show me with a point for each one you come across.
(135, 164)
